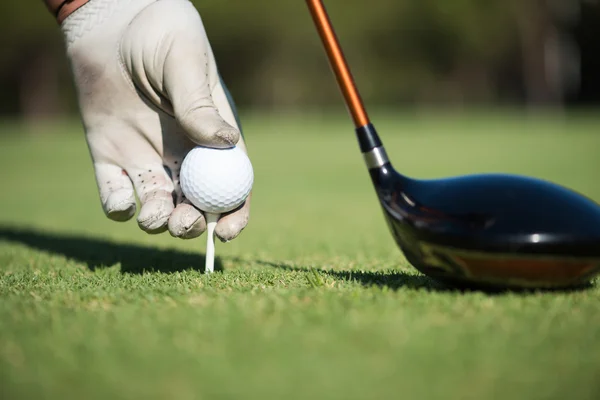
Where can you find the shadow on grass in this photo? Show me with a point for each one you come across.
(397, 279)
(393, 280)
(98, 253)
(135, 259)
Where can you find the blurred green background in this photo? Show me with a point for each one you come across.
(459, 53)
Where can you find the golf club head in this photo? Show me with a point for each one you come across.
(492, 231)
(500, 231)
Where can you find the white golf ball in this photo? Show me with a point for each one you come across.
(216, 180)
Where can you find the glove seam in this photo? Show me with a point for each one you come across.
(123, 68)
(126, 73)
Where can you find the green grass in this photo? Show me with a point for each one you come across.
(314, 300)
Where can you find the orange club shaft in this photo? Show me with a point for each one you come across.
(338, 63)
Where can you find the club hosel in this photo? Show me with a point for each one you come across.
(370, 145)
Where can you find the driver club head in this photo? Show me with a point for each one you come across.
(485, 231)
(491, 230)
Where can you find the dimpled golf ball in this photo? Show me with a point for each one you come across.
(216, 180)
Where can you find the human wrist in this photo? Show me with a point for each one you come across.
(61, 9)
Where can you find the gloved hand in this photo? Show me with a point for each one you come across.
(149, 91)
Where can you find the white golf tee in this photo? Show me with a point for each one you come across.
(211, 223)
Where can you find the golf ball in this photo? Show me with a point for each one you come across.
(216, 180)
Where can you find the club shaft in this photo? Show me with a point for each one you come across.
(338, 63)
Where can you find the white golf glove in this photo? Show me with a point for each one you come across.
(149, 91)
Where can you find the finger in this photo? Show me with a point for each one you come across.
(116, 192)
(227, 108)
(189, 76)
(186, 221)
(231, 224)
(155, 191)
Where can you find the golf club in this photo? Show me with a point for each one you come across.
(488, 230)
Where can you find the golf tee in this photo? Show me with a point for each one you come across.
(211, 223)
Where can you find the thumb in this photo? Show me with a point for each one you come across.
(189, 75)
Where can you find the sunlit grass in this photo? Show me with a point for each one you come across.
(312, 300)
